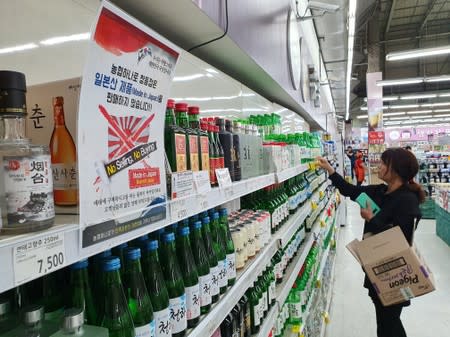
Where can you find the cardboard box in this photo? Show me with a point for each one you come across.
(397, 271)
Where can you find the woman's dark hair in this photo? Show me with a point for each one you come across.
(405, 165)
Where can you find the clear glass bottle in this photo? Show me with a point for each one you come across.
(26, 188)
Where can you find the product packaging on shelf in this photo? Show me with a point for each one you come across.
(397, 271)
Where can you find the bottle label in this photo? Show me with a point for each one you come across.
(177, 314)
(145, 330)
(215, 275)
(231, 266)
(256, 316)
(223, 280)
(295, 310)
(279, 270)
(193, 301)
(265, 303)
(204, 150)
(212, 170)
(221, 162)
(28, 189)
(180, 152)
(273, 290)
(292, 203)
(65, 176)
(193, 152)
(162, 322)
(205, 289)
(261, 309)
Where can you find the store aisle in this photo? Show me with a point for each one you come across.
(352, 313)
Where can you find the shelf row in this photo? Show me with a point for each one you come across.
(19, 254)
(285, 287)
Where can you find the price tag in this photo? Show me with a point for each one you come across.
(37, 257)
(201, 182)
(182, 184)
(223, 177)
(204, 202)
(179, 209)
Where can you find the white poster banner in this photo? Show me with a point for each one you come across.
(124, 91)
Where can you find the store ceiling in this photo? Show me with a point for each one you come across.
(402, 25)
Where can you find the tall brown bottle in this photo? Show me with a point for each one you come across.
(64, 159)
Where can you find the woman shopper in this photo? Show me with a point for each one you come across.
(360, 169)
(399, 201)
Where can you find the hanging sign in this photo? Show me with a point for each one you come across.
(374, 101)
(124, 91)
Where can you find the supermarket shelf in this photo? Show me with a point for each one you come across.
(291, 172)
(245, 278)
(68, 225)
(329, 295)
(322, 263)
(269, 321)
(293, 224)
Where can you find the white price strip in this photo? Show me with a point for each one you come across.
(179, 209)
(204, 203)
(182, 184)
(38, 257)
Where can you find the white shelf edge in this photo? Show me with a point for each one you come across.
(328, 298)
(291, 172)
(211, 321)
(323, 262)
(267, 325)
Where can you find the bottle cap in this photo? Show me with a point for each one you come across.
(111, 263)
(184, 231)
(223, 212)
(170, 103)
(204, 214)
(174, 227)
(205, 220)
(197, 224)
(58, 100)
(5, 306)
(80, 264)
(106, 253)
(73, 319)
(142, 238)
(121, 246)
(182, 107)
(133, 253)
(33, 314)
(193, 110)
(12, 92)
(169, 237)
(194, 218)
(215, 216)
(152, 245)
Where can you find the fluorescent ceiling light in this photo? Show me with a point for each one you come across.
(434, 104)
(419, 112)
(404, 106)
(386, 98)
(17, 48)
(393, 114)
(362, 117)
(447, 94)
(444, 115)
(398, 118)
(211, 70)
(418, 96)
(63, 39)
(350, 42)
(426, 116)
(400, 81)
(415, 53)
(441, 78)
(441, 110)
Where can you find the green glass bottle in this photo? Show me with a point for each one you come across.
(190, 276)
(175, 286)
(53, 298)
(202, 262)
(174, 141)
(119, 251)
(231, 256)
(219, 246)
(255, 318)
(96, 271)
(213, 261)
(137, 295)
(80, 292)
(295, 306)
(156, 287)
(191, 139)
(116, 316)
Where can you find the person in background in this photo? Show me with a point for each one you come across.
(399, 200)
(351, 155)
(360, 169)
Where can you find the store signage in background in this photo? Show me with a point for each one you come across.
(374, 101)
(376, 137)
(416, 134)
(125, 87)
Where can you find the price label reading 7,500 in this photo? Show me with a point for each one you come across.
(38, 257)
